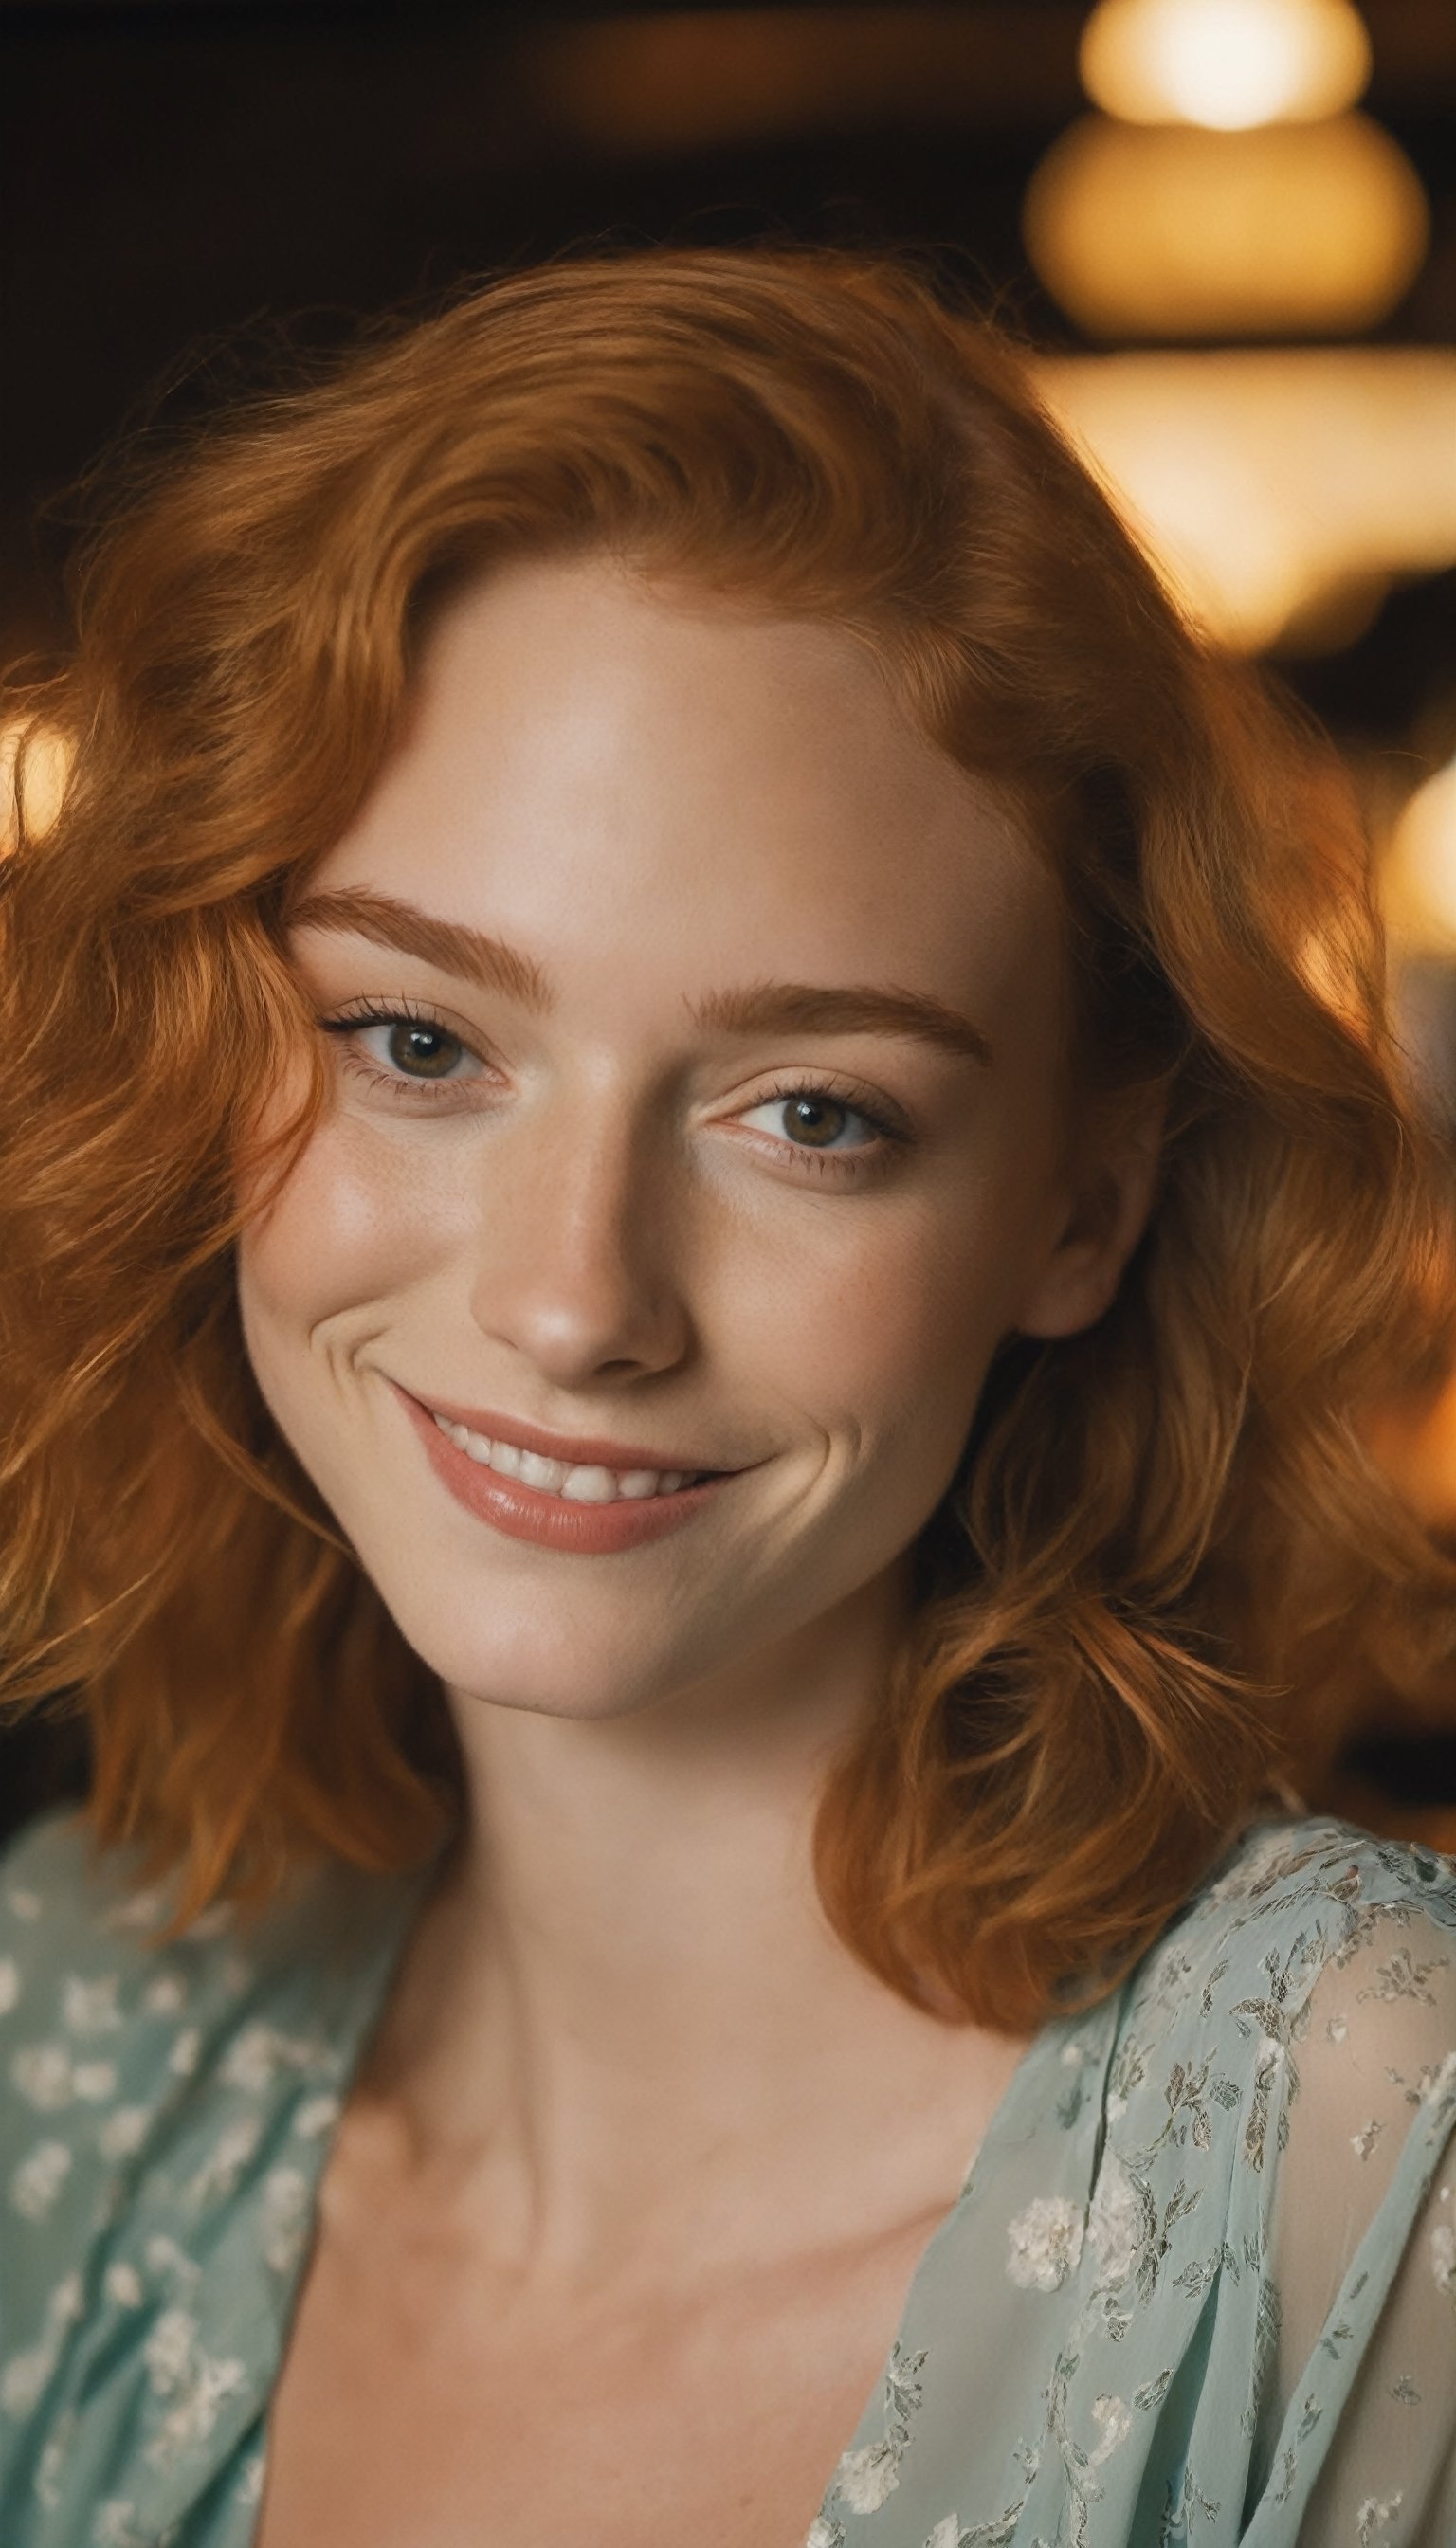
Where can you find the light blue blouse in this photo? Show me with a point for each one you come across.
(1199, 2285)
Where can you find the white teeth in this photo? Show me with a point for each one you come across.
(586, 1484)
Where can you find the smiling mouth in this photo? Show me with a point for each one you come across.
(586, 1484)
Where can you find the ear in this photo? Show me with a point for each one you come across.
(1105, 1201)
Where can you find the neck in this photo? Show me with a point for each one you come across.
(625, 2001)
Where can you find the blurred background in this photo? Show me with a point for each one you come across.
(1228, 227)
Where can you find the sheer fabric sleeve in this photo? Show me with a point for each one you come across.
(1358, 2430)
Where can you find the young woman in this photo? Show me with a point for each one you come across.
(705, 1191)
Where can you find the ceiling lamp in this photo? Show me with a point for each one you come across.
(1229, 63)
(1231, 190)
(1174, 231)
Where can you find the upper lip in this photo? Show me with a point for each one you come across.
(578, 1453)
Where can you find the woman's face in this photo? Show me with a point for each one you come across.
(606, 1175)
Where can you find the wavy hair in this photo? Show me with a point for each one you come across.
(1167, 1538)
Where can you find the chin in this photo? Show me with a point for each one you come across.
(502, 1653)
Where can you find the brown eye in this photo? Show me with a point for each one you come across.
(422, 1051)
(811, 1122)
(396, 1050)
(819, 1119)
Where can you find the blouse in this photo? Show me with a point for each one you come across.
(1199, 2284)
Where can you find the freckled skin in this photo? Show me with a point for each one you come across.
(653, 796)
(616, 2227)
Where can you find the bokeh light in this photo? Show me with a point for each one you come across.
(1166, 230)
(32, 781)
(1227, 63)
(1281, 491)
(1420, 865)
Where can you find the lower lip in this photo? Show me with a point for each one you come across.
(554, 1522)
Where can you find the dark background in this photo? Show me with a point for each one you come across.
(178, 180)
(180, 183)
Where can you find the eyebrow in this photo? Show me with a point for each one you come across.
(755, 1008)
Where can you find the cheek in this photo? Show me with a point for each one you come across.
(891, 1344)
(352, 1226)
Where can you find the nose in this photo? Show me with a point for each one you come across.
(578, 1257)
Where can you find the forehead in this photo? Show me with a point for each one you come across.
(591, 757)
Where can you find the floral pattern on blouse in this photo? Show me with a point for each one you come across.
(1199, 2286)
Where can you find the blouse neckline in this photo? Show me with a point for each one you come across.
(1019, 2113)
(351, 1936)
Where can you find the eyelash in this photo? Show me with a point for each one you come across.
(406, 1013)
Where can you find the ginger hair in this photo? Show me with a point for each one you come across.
(1167, 1538)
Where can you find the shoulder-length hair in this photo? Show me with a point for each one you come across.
(1166, 1534)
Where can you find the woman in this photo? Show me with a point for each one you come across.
(706, 1189)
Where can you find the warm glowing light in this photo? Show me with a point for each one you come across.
(1422, 865)
(1228, 63)
(42, 776)
(1279, 492)
(1164, 231)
